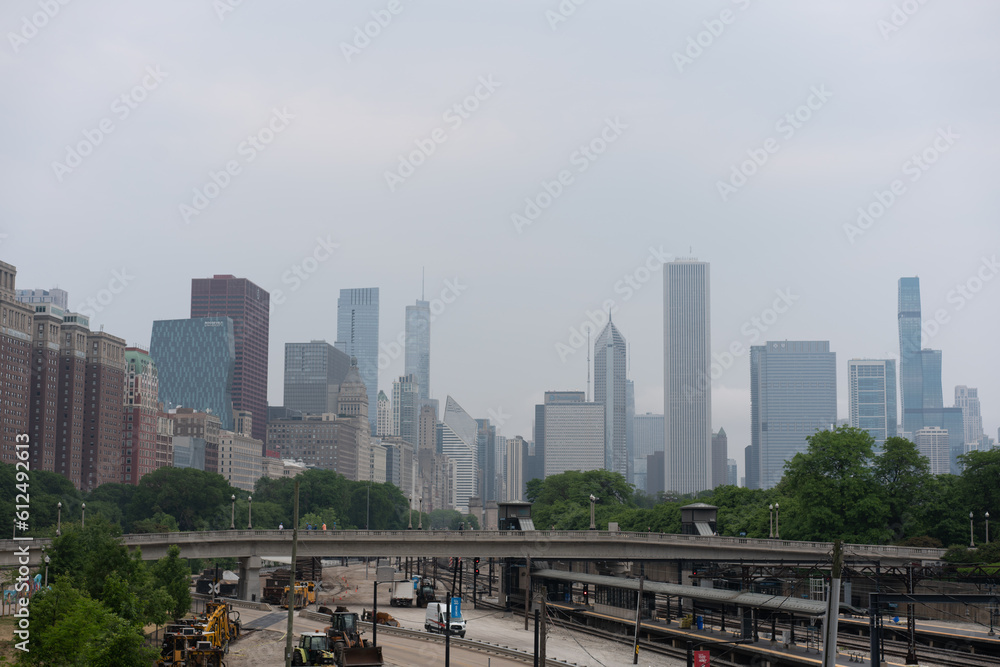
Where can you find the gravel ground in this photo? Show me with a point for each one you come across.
(349, 587)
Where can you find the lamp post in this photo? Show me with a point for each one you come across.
(770, 520)
(83, 514)
(987, 528)
(58, 518)
(593, 525)
(972, 542)
(368, 505)
(250, 513)
(232, 515)
(410, 525)
(777, 530)
(420, 513)
(47, 560)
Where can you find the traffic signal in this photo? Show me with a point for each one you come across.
(585, 594)
(476, 562)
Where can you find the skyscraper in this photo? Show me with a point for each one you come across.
(383, 416)
(406, 410)
(610, 391)
(104, 406)
(687, 383)
(872, 389)
(15, 358)
(920, 377)
(248, 306)
(574, 433)
(313, 373)
(141, 416)
(720, 455)
(357, 335)
(457, 440)
(417, 342)
(793, 394)
(630, 429)
(195, 361)
(910, 365)
(967, 399)
(648, 441)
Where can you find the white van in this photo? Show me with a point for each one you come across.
(439, 617)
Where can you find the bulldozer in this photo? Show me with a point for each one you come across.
(349, 649)
(313, 649)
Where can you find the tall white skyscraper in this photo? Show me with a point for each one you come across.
(417, 344)
(457, 437)
(967, 398)
(610, 391)
(687, 381)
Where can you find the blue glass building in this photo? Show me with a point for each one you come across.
(196, 359)
(872, 387)
(357, 335)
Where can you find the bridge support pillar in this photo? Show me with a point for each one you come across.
(249, 588)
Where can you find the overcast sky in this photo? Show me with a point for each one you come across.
(117, 115)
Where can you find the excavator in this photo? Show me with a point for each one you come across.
(201, 641)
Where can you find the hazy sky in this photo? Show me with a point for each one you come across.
(172, 140)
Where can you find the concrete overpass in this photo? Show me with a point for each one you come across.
(251, 546)
(538, 545)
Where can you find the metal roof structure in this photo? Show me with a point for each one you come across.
(738, 598)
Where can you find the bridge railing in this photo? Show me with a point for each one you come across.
(917, 553)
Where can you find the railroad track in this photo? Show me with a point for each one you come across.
(896, 649)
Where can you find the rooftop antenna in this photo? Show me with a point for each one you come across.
(588, 364)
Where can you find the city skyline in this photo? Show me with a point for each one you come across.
(811, 174)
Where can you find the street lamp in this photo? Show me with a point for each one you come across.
(250, 513)
(410, 525)
(987, 528)
(58, 518)
(593, 525)
(232, 515)
(420, 513)
(770, 520)
(47, 560)
(83, 514)
(972, 542)
(777, 530)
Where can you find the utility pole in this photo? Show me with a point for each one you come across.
(833, 610)
(527, 589)
(543, 631)
(289, 632)
(638, 612)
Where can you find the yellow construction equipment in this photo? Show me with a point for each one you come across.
(201, 641)
(349, 649)
(305, 595)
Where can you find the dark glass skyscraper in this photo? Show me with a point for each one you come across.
(418, 346)
(195, 361)
(357, 335)
(313, 374)
(248, 306)
(920, 377)
(910, 365)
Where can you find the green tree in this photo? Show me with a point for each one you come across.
(834, 488)
(70, 629)
(170, 574)
(980, 486)
(903, 478)
(198, 500)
